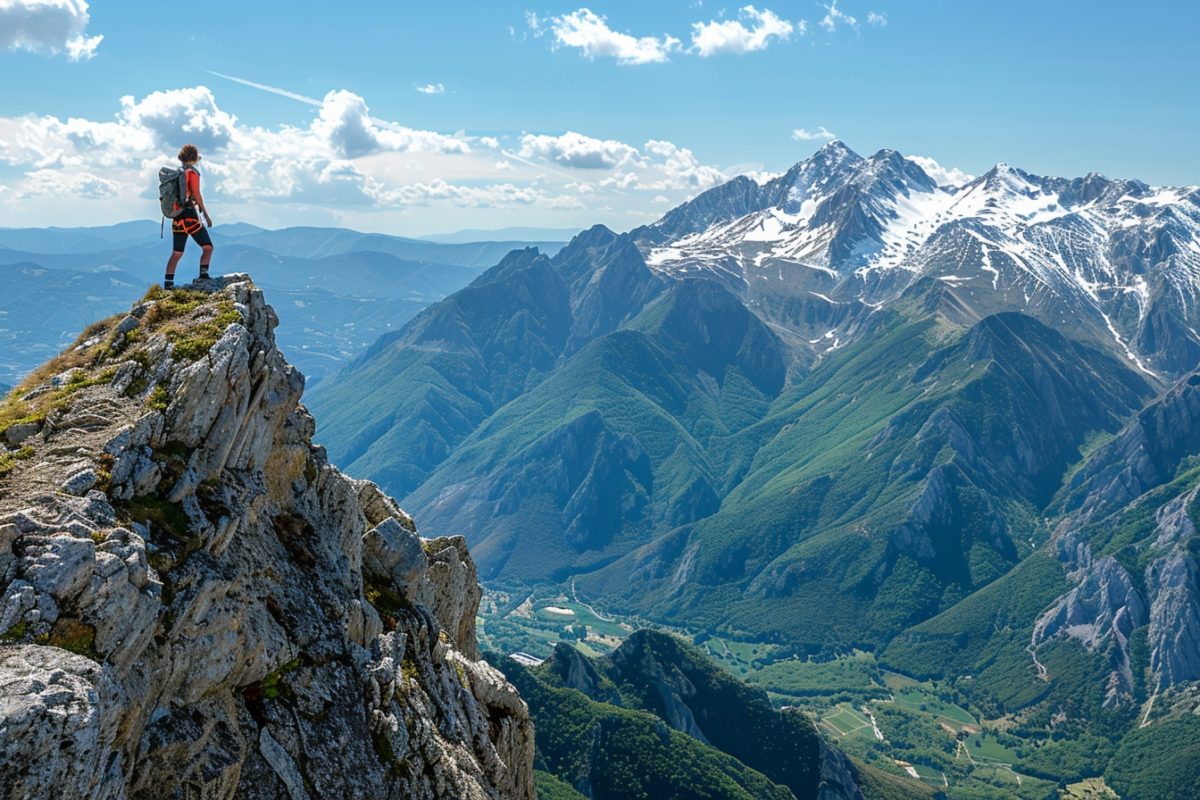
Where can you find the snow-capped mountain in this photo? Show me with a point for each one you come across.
(838, 236)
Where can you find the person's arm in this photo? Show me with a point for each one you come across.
(194, 191)
(203, 210)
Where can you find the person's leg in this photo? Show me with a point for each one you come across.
(206, 248)
(178, 243)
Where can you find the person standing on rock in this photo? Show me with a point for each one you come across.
(188, 222)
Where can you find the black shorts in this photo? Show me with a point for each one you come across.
(185, 225)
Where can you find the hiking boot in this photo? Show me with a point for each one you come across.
(169, 282)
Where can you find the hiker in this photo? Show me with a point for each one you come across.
(186, 222)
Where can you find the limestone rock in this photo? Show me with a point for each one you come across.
(15, 434)
(394, 554)
(211, 577)
(1101, 613)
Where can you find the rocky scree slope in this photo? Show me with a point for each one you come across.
(195, 603)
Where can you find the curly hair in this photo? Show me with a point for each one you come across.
(189, 153)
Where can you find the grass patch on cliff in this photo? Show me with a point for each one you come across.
(191, 320)
(193, 342)
(158, 399)
(8, 461)
(390, 604)
(74, 636)
(273, 685)
(16, 633)
(17, 411)
(169, 530)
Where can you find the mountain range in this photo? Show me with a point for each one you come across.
(841, 408)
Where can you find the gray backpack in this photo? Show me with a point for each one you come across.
(172, 191)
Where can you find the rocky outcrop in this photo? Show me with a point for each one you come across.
(1143, 455)
(1173, 583)
(1106, 607)
(575, 671)
(1174, 635)
(839, 780)
(674, 681)
(197, 604)
(1101, 613)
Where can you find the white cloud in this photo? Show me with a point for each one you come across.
(941, 175)
(805, 135)
(573, 149)
(344, 166)
(181, 115)
(345, 122)
(620, 180)
(66, 183)
(47, 26)
(432, 88)
(680, 168)
(589, 32)
(834, 16)
(494, 196)
(877, 18)
(753, 30)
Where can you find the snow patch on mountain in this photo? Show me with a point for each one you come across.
(1117, 257)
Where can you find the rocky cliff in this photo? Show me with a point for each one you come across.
(196, 604)
(1127, 539)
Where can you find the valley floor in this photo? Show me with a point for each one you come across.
(891, 721)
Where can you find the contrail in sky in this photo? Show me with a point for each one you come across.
(312, 101)
(383, 123)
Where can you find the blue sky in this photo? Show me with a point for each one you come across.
(565, 114)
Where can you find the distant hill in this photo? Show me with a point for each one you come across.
(78, 240)
(503, 235)
(336, 291)
(305, 242)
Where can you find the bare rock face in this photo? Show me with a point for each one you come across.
(1105, 607)
(1101, 613)
(197, 604)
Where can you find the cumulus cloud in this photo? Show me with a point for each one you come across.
(834, 16)
(752, 30)
(345, 122)
(181, 115)
(657, 166)
(573, 149)
(48, 26)
(342, 162)
(432, 88)
(590, 34)
(805, 135)
(66, 183)
(680, 168)
(941, 175)
(877, 18)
